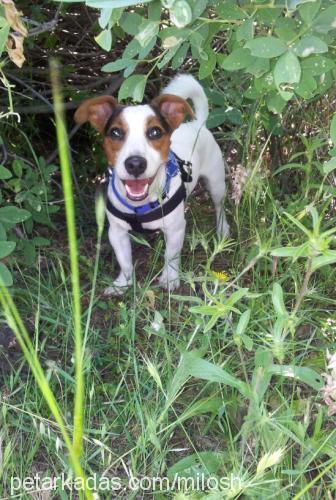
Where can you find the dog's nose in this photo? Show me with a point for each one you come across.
(136, 165)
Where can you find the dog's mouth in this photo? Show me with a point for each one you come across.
(137, 189)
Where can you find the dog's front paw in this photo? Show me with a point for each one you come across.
(119, 286)
(169, 280)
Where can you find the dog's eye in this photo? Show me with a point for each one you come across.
(116, 133)
(154, 133)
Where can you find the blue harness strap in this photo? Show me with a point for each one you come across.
(153, 210)
(172, 169)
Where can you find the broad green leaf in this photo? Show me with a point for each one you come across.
(133, 87)
(104, 39)
(5, 173)
(289, 251)
(180, 56)
(286, 28)
(310, 45)
(302, 373)
(117, 65)
(224, 115)
(245, 31)
(329, 166)
(333, 130)
(207, 67)
(147, 30)
(202, 369)
(266, 47)
(243, 322)
(317, 65)
(328, 257)
(325, 21)
(287, 69)
(238, 59)
(130, 22)
(278, 300)
(104, 17)
(276, 104)
(229, 11)
(6, 278)
(259, 67)
(192, 466)
(248, 342)
(307, 86)
(13, 215)
(6, 248)
(309, 11)
(180, 13)
(4, 32)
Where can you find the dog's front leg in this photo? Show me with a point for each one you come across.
(174, 242)
(121, 244)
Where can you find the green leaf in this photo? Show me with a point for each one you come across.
(326, 21)
(104, 17)
(206, 463)
(229, 11)
(243, 322)
(17, 166)
(286, 251)
(104, 39)
(224, 115)
(248, 342)
(130, 22)
(309, 11)
(307, 86)
(329, 166)
(302, 373)
(328, 257)
(310, 45)
(180, 56)
(287, 69)
(259, 67)
(147, 30)
(5, 173)
(266, 47)
(276, 104)
(202, 369)
(317, 65)
(207, 67)
(245, 31)
(238, 59)
(133, 87)
(6, 278)
(12, 215)
(180, 13)
(117, 65)
(333, 130)
(4, 32)
(6, 248)
(278, 300)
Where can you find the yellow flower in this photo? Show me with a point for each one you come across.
(221, 275)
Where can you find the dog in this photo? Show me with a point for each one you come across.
(148, 148)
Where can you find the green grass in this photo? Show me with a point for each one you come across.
(220, 377)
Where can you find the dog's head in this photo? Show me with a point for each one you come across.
(136, 138)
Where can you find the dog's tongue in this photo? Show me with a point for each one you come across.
(136, 188)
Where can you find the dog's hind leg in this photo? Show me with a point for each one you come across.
(121, 244)
(215, 182)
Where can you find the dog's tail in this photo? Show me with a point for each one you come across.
(187, 87)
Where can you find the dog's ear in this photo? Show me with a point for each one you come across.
(173, 108)
(96, 111)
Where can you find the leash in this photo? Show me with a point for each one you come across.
(155, 210)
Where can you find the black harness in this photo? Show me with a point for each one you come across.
(135, 220)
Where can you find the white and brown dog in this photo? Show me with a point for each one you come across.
(144, 146)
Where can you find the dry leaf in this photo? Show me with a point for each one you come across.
(15, 49)
(17, 35)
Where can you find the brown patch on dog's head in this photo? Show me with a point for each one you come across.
(96, 111)
(113, 142)
(173, 108)
(158, 136)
